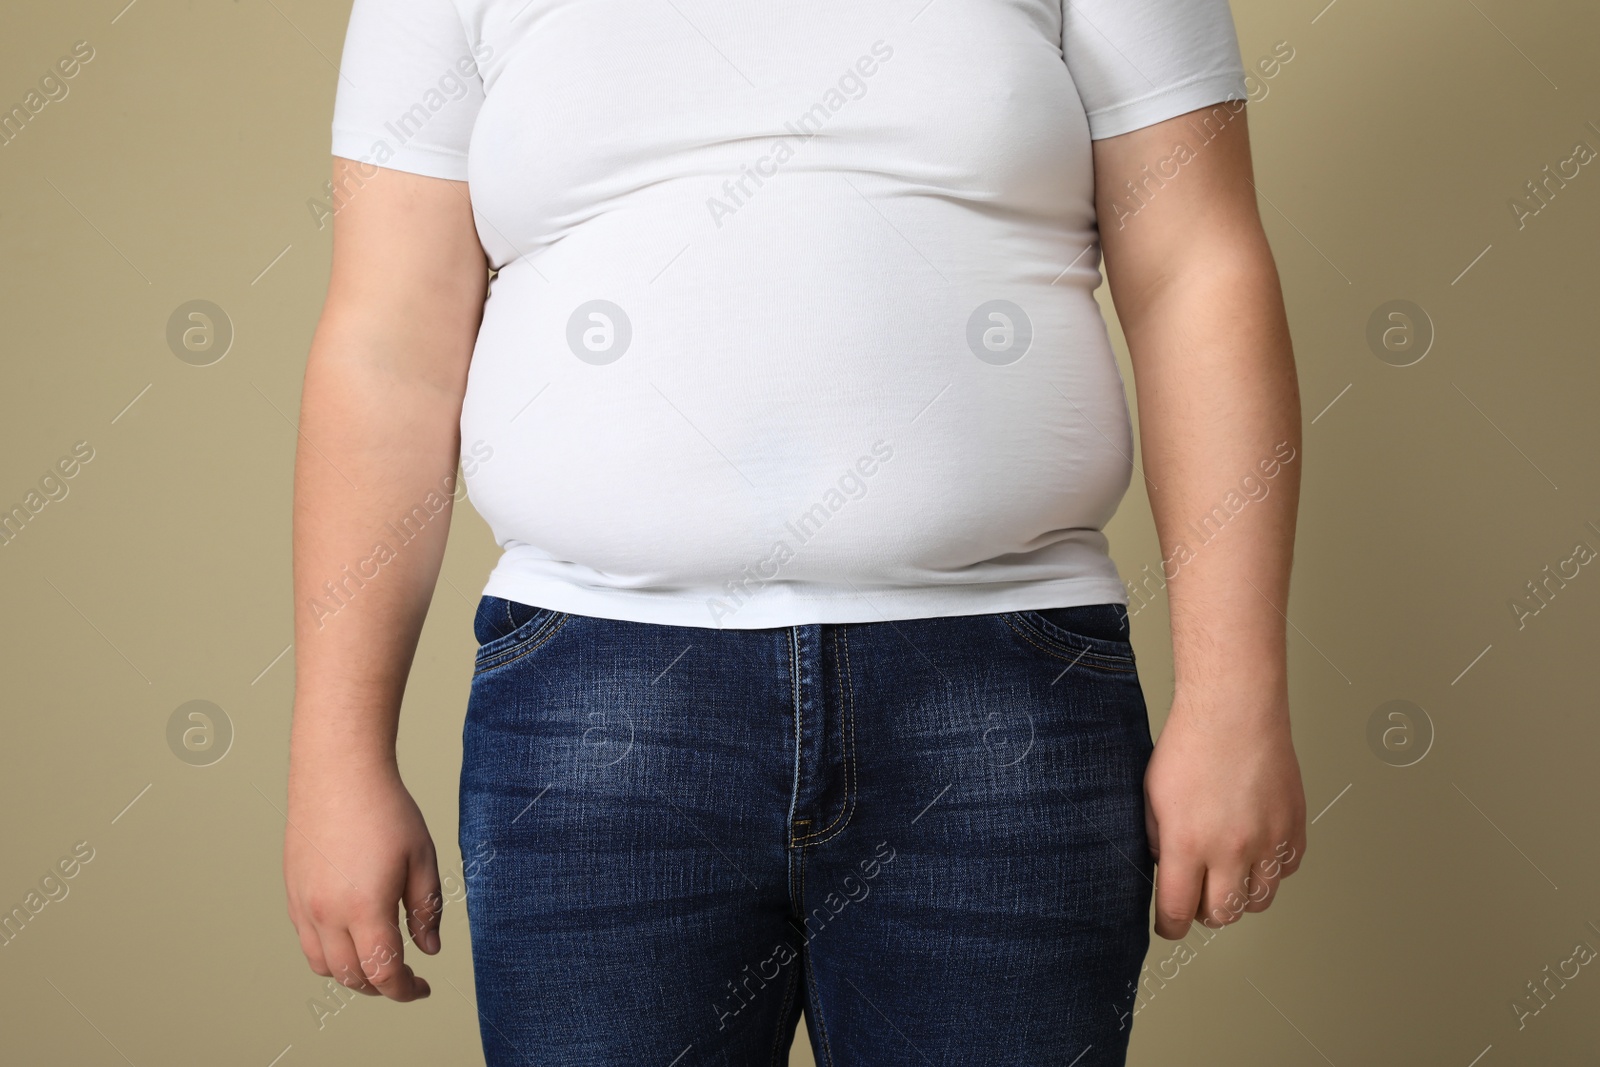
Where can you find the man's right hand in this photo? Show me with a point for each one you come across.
(355, 848)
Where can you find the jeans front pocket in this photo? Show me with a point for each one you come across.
(1092, 635)
(507, 630)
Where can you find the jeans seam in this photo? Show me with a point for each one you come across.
(783, 1016)
(796, 903)
(799, 730)
(535, 641)
(1092, 659)
(811, 977)
(847, 737)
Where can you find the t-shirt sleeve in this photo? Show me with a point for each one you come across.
(1137, 62)
(409, 88)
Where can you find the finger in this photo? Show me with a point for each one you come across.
(311, 945)
(1152, 832)
(1223, 901)
(383, 961)
(1290, 860)
(1283, 862)
(424, 903)
(344, 964)
(1179, 881)
(1259, 889)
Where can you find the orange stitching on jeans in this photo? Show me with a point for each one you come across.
(847, 710)
(796, 900)
(845, 805)
(526, 649)
(1102, 662)
(799, 727)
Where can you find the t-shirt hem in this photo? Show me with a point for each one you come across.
(412, 158)
(770, 607)
(1168, 102)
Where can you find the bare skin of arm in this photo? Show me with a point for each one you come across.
(379, 433)
(1197, 293)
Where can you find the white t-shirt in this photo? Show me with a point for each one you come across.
(793, 319)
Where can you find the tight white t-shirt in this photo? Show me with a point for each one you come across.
(793, 316)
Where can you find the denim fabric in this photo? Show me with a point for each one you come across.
(927, 836)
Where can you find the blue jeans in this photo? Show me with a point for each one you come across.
(927, 836)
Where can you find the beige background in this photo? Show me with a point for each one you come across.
(179, 167)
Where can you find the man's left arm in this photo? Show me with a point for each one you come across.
(1197, 293)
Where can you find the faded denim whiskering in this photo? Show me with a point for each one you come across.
(927, 836)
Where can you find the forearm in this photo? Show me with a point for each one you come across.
(1219, 423)
(372, 504)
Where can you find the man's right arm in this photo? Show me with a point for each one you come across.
(379, 436)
